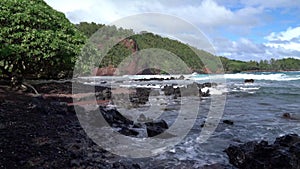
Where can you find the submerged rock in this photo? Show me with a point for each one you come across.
(140, 96)
(181, 77)
(207, 84)
(291, 116)
(249, 80)
(284, 153)
(171, 90)
(156, 127)
(128, 132)
(229, 122)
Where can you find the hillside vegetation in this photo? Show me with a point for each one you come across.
(39, 42)
(196, 60)
(286, 64)
(207, 63)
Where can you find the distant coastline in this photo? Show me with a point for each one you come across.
(271, 71)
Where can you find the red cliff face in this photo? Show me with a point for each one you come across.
(131, 68)
(130, 44)
(207, 70)
(105, 71)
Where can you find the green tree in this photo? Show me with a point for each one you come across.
(289, 64)
(36, 41)
(183, 51)
(225, 61)
(88, 28)
(264, 65)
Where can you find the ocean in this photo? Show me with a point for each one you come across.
(256, 109)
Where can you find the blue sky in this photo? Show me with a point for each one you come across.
(238, 29)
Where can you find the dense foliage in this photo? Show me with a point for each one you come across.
(184, 52)
(102, 49)
(36, 41)
(112, 45)
(189, 55)
(88, 28)
(286, 64)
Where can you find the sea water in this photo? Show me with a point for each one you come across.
(255, 108)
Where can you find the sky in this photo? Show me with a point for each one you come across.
(238, 29)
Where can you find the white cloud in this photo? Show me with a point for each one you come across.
(288, 40)
(287, 46)
(69, 5)
(209, 14)
(287, 35)
(206, 13)
(242, 49)
(213, 17)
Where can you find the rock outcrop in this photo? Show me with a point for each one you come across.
(284, 153)
(156, 127)
(193, 89)
(130, 128)
(249, 80)
(291, 116)
(140, 96)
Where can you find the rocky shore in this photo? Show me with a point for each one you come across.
(43, 131)
(284, 153)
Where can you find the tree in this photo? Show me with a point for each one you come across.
(225, 61)
(36, 41)
(264, 65)
(88, 28)
(289, 64)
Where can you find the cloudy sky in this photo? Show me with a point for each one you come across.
(238, 29)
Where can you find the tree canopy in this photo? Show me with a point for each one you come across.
(286, 64)
(89, 28)
(190, 55)
(36, 41)
(102, 37)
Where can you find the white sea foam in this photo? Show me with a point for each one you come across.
(205, 89)
(249, 88)
(151, 86)
(204, 77)
(135, 77)
(213, 90)
(274, 76)
(261, 76)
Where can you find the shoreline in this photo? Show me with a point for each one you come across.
(44, 131)
(271, 71)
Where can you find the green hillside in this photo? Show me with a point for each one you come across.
(286, 64)
(207, 63)
(194, 58)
